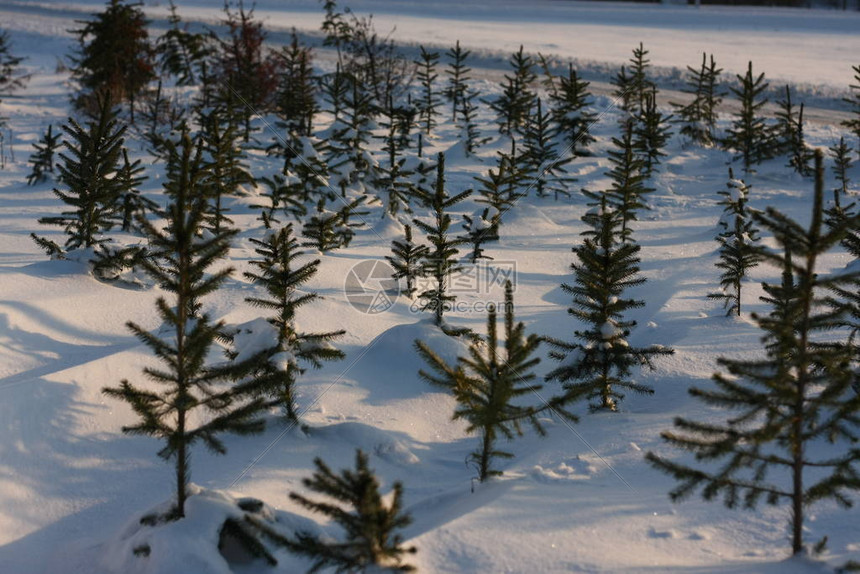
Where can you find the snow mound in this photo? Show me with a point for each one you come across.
(529, 217)
(148, 544)
(253, 337)
(395, 350)
(371, 439)
(567, 470)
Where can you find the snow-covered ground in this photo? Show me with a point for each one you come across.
(579, 500)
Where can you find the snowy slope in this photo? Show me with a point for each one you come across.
(579, 500)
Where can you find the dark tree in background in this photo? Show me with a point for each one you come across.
(244, 67)
(295, 99)
(114, 56)
(181, 53)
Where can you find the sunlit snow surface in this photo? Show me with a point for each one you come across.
(580, 499)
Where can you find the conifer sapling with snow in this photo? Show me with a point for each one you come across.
(295, 97)
(652, 131)
(597, 366)
(407, 259)
(371, 542)
(347, 153)
(738, 252)
(244, 68)
(89, 186)
(428, 100)
(279, 364)
(395, 176)
(327, 230)
(789, 135)
(481, 227)
(698, 119)
(181, 53)
(640, 85)
(458, 78)
(541, 152)
(623, 92)
(43, 156)
(570, 110)
(134, 204)
(224, 161)
(628, 189)
(749, 136)
(513, 105)
(441, 260)
(490, 386)
(114, 56)
(496, 190)
(792, 417)
(193, 401)
(470, 133)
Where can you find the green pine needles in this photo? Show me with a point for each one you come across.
(626, 194)
(597, 367)
(190, 404)
(570, 111)
(372, 542)
(853, 101)
(738, 252)
(458, 78)
(43, 156)
(278, 366)
(429, 100)
(441, 260)
(490, 385)
(87, 175)
(749, 136)
(795, 418)
(407, 259)
(698, 119)
(544, 158)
